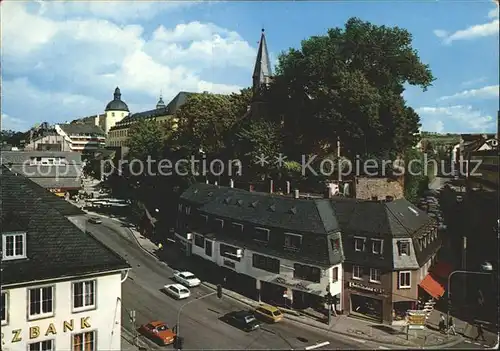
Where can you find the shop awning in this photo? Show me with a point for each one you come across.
(442, 270)
(432, 286)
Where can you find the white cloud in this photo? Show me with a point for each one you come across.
(472, 32)
(491, 91)
(473, 81)
(87, 56)
(458, 118)
(435, 126)
(12, 123)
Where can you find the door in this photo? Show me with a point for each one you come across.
(208, 248)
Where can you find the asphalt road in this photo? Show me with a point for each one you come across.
(199, 321)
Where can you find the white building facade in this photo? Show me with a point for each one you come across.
(79, 314)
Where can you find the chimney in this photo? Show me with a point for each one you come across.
(231, 183)
(288, 187)
(216, 183)
(271, 186)
(207, 181)
(250, 188)
(296, 194)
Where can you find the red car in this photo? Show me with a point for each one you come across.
(158, 332)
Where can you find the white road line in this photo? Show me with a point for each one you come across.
(312, 347)
(476, 343)
(468, 341)
(383, 348)
(361, 341)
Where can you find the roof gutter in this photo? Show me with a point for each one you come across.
(65, 278)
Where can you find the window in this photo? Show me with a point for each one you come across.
(14, 246)
(335, 243)
(179, 207)
(84, 295)
(219, 224)
(188, 210)
(47, 345)
(261, 234)
(208, 248)
(237, 227)
(309, 273)
(404, 248)
(266, 263)
(41, 302)
(230, 252)
(357, 272)
(377, 246)
(85, 341)
(4, 308)
(112, 114)
(335, 274)
(293, 241)
(359, 244)
(199, 241)
(405, 280)
(374, 275)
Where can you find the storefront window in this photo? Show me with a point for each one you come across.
(366, 306)
(401, 307)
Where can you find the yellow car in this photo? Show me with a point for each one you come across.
(268, 314)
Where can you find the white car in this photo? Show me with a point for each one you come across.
(177, 290)
(186, 278)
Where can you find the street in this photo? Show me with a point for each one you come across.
(199, 321)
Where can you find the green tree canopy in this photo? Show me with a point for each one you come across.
(146, 138)
(349, 83)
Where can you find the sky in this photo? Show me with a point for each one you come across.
(62, 60)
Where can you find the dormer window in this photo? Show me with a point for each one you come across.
(293, 241)
(377, 246)
(13, 246)
(359, 244)
(261, 234)
(238, 227)
(404, 248)
(219, 223)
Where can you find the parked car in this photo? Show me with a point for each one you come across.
(186, 278)
(178, 291)
(95, 220)
(268, 314)
(158, 332)
(242, 319)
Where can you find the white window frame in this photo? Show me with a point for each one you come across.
(381, 241)
(41, 315)
(85, 307)
(407, 243)
(359, 271)
(291, 246)
(205, 217)
(188, 209)
(238, 225)
(6, 308)
(373, 272)
(4, 246)
(83, 333)
(52, 345)
(179, 207)
(221, 222)
(266, 230)
(400, 285)
(356, 240)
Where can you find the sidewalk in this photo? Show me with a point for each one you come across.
(385, 335)
(128, 343)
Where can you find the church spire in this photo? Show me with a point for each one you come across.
(262, 72)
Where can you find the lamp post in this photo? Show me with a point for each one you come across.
(178, 327)
(486, 267)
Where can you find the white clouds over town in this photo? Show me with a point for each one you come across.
(83, 51)
(438, 119)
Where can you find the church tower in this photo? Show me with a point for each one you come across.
(261, 78)
(115, 111)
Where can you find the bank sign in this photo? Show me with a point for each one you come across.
(36, 331)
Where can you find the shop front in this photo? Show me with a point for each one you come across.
(184, 243)
(400, 309)
(365, 301)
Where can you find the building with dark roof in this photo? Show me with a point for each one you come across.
(60, 285)
(366, 253)
(57, 171)
(164, 114)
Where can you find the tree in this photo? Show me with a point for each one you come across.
(11, 137)
(348, 84)
(146, 138)
(205, 119)
(416, 180)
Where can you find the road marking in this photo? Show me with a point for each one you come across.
(361, 341)
(468, 341)
(312, 347)
(383, 348)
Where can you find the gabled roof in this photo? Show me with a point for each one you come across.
(74, 129)
(55, 247)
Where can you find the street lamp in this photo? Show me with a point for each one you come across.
(487, 269)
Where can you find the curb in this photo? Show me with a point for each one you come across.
(129, 337)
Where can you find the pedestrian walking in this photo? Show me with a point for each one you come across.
(451, 326)
(442, 322)
(480, 332)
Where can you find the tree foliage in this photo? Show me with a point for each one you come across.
(146, 138)
(348, 83)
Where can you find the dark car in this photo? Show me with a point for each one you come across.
(95, 220)
(243, 320)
